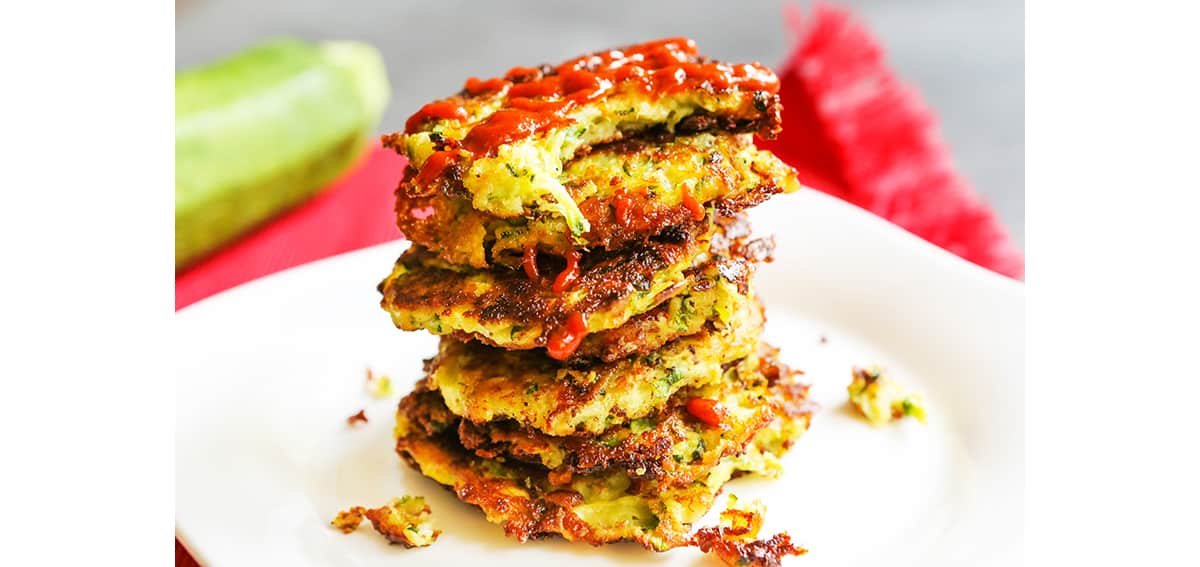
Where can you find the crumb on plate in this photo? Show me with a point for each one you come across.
(733, 540)
(882, 399)
(379, 386)
(348, 520)
(360, 417)
(404, 521)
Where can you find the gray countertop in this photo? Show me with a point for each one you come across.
(966, 57)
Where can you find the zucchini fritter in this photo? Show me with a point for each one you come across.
(710, 296)
(628, 191)
(671, 446)
(504, 142)
(483, 384)
(508, 309)
(605, 505)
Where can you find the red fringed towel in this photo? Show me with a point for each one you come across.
(854, 130)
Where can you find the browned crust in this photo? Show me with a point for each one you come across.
(766, 122)
(644, 334)
(446, 223)
(647, 455)
(607, 278)
(382, 520)
(426, 411)
(491, 384)
(530, 501)
(522, 517)
(636, 337)
(737, 553)
(733, 540)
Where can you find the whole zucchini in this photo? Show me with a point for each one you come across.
(262, 131)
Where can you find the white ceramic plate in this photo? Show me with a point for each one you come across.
(268, 373)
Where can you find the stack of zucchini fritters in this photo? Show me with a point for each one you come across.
(579, 245)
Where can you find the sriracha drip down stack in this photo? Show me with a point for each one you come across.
(579, 245)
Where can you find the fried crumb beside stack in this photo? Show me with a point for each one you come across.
(579, 244)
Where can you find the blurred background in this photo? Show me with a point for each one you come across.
(966, 57)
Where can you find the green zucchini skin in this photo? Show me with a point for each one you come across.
(262, 131)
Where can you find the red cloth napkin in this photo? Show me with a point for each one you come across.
(851, 129)
(854, 130)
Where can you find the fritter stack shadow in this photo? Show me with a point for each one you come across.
(579, 244)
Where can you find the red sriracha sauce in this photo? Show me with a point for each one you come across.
(475, 86)
(529, 262)
(569, 274)
(435, 165)
(508, 125)
(692, 204)
(437, 110)
(565, 339)
(536, 101)
(707, 410)
(522, 73)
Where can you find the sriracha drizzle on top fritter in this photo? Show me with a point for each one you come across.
(579, 245)
(539, 98)
(506, 141)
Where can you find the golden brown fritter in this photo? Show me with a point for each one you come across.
(508, 309)
(628, 191)
(715, 291)
(708, 297)
(604, 506)
(485, 384)
(671, 446)
(505, 142)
